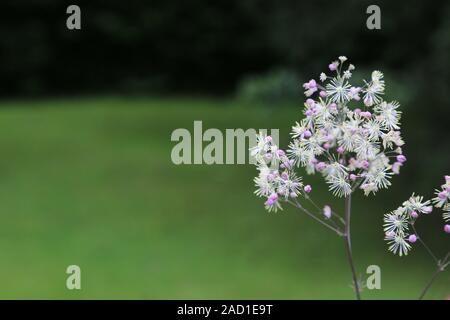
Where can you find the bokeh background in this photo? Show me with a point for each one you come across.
(85, 122)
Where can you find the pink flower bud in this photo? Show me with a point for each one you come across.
(320, 166)
(285, 176)
(332, 66)
(364, 164)
(310, 102)
(414, 215)
(268, 139)
(327, 212)
(442, 195)
(312, 84)
(401, 158)
(390, 234)
(326, 145)
(307, 188)
(323, 94)
(357, 111)
(307, 134)
(353, 177)
(340, 150)
(293, 195)
(368, 101)
(447, 178)
(396, 167)
(280, 153)
(273, 196)
(268, 156)
(366, 114)
(412, 238)
(447, 228)
(427, 210)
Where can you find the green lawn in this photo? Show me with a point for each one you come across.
(90, 182)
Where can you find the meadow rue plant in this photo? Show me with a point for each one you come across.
(352, 137)
(401, 233)
(349, 135)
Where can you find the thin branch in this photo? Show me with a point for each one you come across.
(318, 208)
(430, 282)
(299, 206)
(348, 245)
(425, 245)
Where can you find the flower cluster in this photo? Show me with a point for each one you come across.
(442, 199)
(276, 180)
(350, 146)
(399, 223)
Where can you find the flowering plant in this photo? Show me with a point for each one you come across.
(401, 233)
(349, 135)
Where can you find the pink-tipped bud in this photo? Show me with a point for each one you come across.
(368, 101)
(307, 134)
(310, 102)
(442, 195)
(307, 188)
(320, 166)
(353, 177)
(293, 195)
(309, 113)
(327, 212)
(326, 146)
(401, 158)
(333, 107)
(332, 66)
(447, 178)
(323, 94)
(340, 150)
(268, 156)
(273, 196)
(364, 164)
(357, 111)
(412, 238)
(312, 84)
(414, 215)
(390, 234)
(285, 176)
(366, 114)
(427, 210)
(268, 139)
(447, 228)
(280, 153)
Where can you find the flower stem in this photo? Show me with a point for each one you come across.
(299, 206)
(441, 265)
(430, 282)
(348, 245)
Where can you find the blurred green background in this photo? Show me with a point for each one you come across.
(85, 124)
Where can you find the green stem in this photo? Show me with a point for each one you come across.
(348, 245)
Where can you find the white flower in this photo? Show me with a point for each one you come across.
(399, 245)
(323, 77)
(396, 221)
(416, 203)
(339, 90)
(374, 89)
(347, 74)
(339, 186)
(388, 115)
